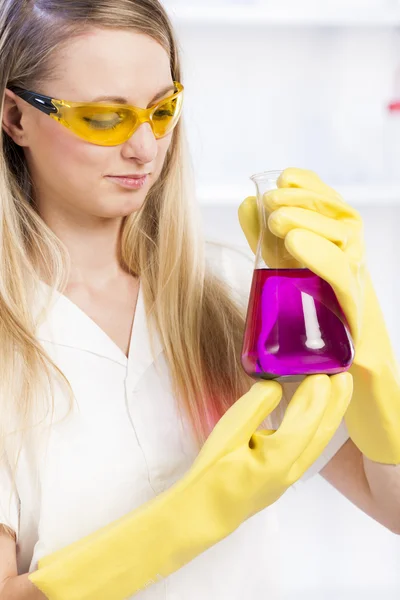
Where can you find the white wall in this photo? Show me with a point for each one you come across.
(261, 97)
(265, 96)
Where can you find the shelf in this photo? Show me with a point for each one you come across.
(356, 195)
(315, 16)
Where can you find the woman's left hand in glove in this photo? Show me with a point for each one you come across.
(324, 234)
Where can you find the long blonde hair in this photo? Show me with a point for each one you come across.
(199, 323)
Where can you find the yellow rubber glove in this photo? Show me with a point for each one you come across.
(323, 233)
(238, 472)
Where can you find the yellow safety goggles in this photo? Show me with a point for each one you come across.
(108, 124)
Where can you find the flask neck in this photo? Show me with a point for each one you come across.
(271, 251)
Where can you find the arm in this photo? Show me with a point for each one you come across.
(12, 586)
(20, 588)
(384, 483)
(371, 486)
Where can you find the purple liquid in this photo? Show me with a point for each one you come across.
(294, 326)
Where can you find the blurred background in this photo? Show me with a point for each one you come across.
(312, 84)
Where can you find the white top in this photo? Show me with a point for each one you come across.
(124, 443)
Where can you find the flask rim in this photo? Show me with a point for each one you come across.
(271, 176)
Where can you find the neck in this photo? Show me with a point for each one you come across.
(93, 244)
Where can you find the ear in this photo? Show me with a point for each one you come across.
(12, 118)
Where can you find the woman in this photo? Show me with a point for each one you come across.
(137, 351)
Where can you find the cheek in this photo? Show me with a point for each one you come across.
(163, 146)
(62, 154)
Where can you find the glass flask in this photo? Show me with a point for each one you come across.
(294, 325)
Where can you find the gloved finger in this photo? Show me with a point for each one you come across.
(327, 260)
(240, 421)
(265, 432)
(330, 206)
(273, 250)
(341, 390)
(306, 179)
(249, 221)
(283, 220)
(258, 436)
(300, 422)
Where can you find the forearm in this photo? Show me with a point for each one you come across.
(20, 588)
(384, 484)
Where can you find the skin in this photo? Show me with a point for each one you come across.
(79, 204)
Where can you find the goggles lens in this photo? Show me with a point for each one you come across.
(166, 115)
(110, 125)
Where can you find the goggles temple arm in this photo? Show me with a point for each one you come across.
(43, 103)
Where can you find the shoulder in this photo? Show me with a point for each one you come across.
(232, 263)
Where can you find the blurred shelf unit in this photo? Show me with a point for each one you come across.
(297, 15)
(356, 195)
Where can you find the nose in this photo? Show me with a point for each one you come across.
(142, 145)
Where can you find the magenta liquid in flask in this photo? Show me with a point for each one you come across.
(294, 325)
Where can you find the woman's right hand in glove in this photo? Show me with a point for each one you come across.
(246, 469)
(239, 471)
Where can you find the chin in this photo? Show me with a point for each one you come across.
(124, 206)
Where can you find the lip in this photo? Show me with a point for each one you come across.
(133, 182)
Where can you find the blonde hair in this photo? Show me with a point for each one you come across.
(199, 323)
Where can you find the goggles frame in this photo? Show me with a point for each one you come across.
(59, 110)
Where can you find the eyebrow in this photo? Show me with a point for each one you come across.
(122, 100)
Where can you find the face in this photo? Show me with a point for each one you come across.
(70, 174)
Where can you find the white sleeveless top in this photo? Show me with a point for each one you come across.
(124, 443)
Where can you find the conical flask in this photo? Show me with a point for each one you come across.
(294, 325)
